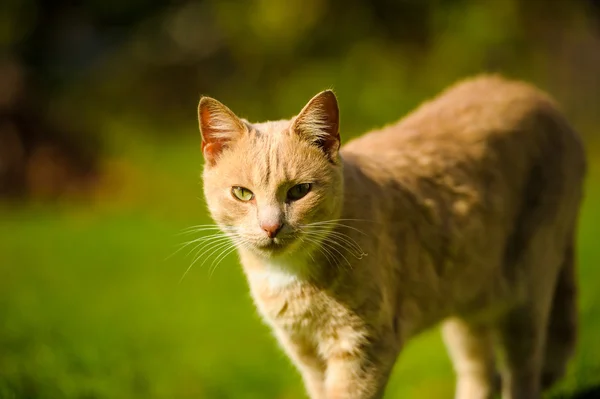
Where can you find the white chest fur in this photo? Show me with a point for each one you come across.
(280, 292)
(277, 275)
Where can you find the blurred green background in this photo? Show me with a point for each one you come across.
(100, 166)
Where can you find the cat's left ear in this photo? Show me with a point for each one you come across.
(319, 123)
(219, 127)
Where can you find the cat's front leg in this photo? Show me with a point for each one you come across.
(313, 376)
(308, 362)
(358, 376)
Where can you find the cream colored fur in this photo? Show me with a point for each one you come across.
(466, 210)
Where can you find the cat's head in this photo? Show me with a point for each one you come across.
(267, 184)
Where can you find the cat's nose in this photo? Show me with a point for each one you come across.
(271, 228)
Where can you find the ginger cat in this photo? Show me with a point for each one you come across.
(464, 212)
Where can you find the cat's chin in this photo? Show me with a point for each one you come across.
(274, 248)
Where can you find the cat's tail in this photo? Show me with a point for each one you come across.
(562, 324)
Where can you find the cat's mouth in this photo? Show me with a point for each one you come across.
(274, 245)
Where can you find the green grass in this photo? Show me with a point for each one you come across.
(91, 308)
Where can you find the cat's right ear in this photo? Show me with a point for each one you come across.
(219, 127)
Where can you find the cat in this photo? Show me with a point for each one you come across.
(464, 212)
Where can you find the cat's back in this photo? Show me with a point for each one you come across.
(472, 156)
(469, 120)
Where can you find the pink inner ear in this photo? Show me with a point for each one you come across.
(211, 150)
(205, 125)
(210, 147)
(328, 106)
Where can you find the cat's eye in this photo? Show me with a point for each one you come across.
(298, 191)
(242, 193)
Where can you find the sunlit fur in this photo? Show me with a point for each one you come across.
(464, 212)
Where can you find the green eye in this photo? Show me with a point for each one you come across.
(298, 191)
(241, 193)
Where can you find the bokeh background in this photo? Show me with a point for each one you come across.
(100, 172)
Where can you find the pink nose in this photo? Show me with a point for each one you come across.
(271, 228)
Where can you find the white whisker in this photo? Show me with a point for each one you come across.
(235, 241)
(223, 252)
(336, 222)
(309, 253)
(338, 238)
(199, 228)
(198, 248)
(353, 246)
(326, 252)
(196, 241)
(330, 246)
(205, 248)
(222, 256)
